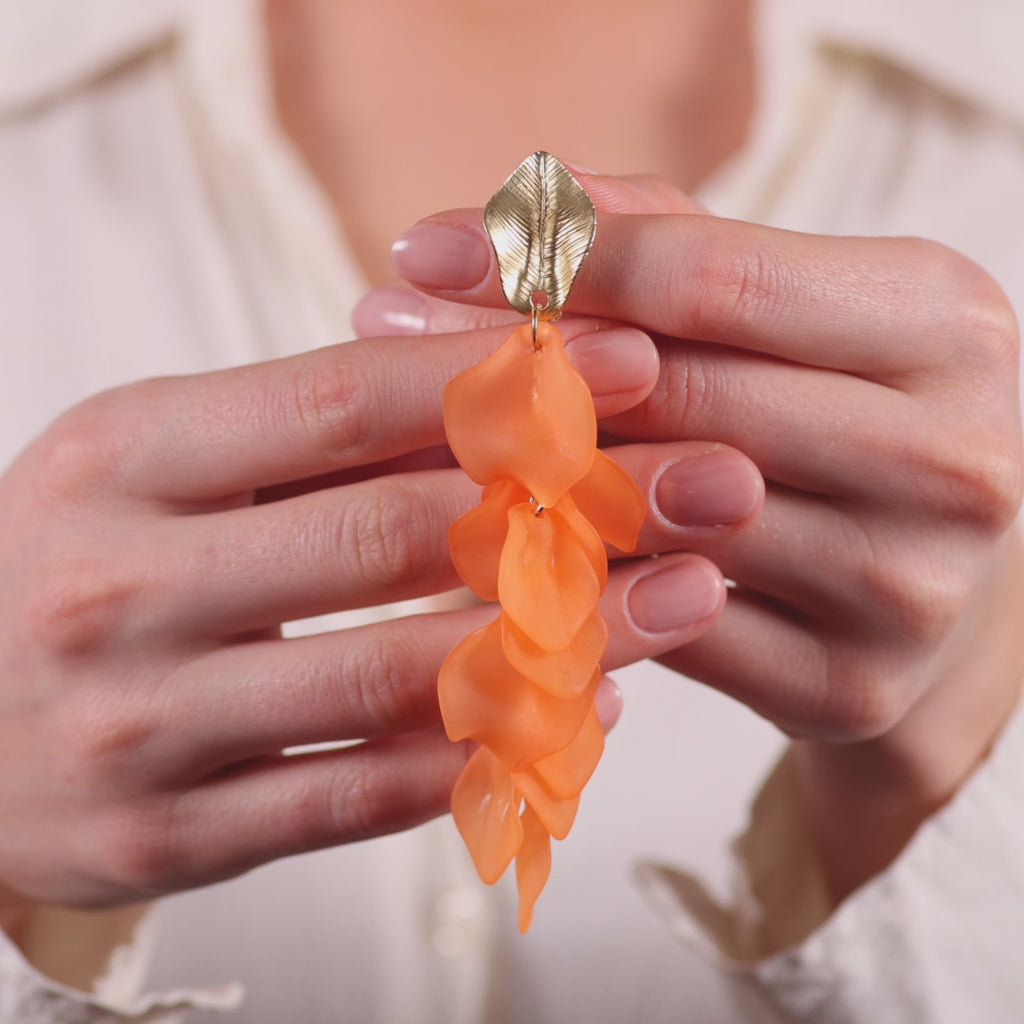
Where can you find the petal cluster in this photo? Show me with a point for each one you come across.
(522, 424)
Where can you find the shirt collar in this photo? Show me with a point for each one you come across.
(50, 47)
(970, 51)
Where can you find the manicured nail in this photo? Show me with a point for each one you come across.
(608, 702)
(574, 165)
(676, 596)
(614, 361)
(392, 309)
(441, 256)
(710, 489)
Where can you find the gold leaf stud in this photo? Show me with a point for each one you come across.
(542, 225)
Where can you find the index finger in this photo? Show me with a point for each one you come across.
(871, 306)
(217, 435)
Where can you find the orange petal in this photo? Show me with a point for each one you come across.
(484, 698)
(476, 539)
(564, 673)
(485, 805)
(546, 581)
(533, 866)
(589, 538)
(610, 499)
(566, 772)
(523, 414)
(556, 814)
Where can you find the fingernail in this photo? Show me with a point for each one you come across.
(616, 360)
(710, 489)
(390, 310)
(675, 596)
(608, 702)
(441, 256)
(574, 165)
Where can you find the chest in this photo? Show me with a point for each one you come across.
(405, 108)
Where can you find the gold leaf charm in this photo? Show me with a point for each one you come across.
(542, 225)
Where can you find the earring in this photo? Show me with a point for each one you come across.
(522, 424)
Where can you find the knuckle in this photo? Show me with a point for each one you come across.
(385, 679)
(915, 599)
(972, 300)
(142, 850)
(863, 703)
(332, 810)
(328, 402)
(104, 741)
(986, 486)
(689, 388)
(738, 288)
(78, 606)
(82, 449)
(389, 533)
(976, 479)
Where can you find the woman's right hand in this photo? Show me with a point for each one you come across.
(153, 541)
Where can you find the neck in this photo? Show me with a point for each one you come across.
(403, 108)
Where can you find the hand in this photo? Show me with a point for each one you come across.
(153, 541)
(874, 383)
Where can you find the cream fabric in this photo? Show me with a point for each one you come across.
(155, 221)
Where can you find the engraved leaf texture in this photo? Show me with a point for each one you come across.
(542, 225)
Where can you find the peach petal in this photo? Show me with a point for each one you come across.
(589, 539)
(611, 501)
(568, 770)
(546, 581)
(476, 539)
(533, 866)
(485, 806)
(523, 414)
(562, 673)
(556, 814)
(484, 698)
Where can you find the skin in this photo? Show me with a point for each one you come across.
(874, 383)
(147, 568)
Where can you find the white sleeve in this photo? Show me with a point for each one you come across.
(936, 937)
(27, 996)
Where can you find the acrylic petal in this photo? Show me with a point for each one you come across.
(484, 698)
(485, 806)
(611, 501)
(564, 673)
(476, 539)
(589, 539)
(523, 414)
(546, 582)
(566, 772)
(556, 814)
(533, 866)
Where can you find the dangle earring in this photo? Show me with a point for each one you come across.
(522, 424)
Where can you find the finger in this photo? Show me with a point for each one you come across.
(831, 302)
(814, 684)
(381, 680)
(358, 546)
(807, 428)
(221, 434)
(285, 805)
(890, 578)
(694, 490)
(397, 309)
(385, 540)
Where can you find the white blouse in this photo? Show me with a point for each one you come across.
(155, 220)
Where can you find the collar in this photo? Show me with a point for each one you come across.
(51, 47)
(969, 51)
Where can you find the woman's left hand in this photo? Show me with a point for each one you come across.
(874, 383)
